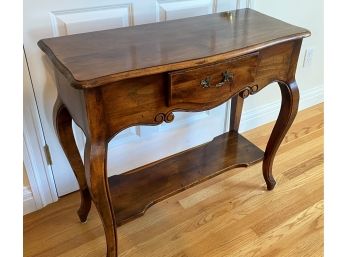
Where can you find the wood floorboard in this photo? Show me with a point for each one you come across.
(229, 215)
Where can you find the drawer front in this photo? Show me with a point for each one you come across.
(212, 83)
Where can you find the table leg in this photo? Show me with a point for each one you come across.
(236, 112)
(63, 126)
(97, 179)
(287, 114)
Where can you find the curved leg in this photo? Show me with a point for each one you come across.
(287, 114)
(96, 173)
(63, 126)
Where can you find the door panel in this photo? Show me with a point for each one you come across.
(134, 146)
(70, 22)
(176, 9)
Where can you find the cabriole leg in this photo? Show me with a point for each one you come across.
(287, 114)
(63, 126)
(96, 173)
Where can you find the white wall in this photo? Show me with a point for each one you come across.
(307, 14)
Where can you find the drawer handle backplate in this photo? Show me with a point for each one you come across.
(226, 77)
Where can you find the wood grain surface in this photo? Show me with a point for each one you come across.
(230, 215)
(186, 85)
(133, 192)
(96, 58)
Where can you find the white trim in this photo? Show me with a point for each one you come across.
(214, 6)
(311, 96)
(31, 176)
(250, 3)
(39, 173)
(227, 116)
(269, 112)
(55, 16)
(165, 6)
(29, 204)
(238, 4)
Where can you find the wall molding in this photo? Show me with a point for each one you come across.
(261, 115)
(29, 204)
(165, 6)
(58, 18)
(42, 186)
(250, 3)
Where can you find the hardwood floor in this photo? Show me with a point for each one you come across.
(229, 215)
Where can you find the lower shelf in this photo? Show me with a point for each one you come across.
(135, 191)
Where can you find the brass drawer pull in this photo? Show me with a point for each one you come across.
(205, 83)
(227, 77)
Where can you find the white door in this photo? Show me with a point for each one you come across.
(138, 145)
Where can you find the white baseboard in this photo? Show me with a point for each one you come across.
(269, 112)
(28, 201)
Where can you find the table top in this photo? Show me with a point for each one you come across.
(95, 58)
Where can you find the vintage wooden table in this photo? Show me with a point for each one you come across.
(111, 80)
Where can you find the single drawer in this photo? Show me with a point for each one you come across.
(212, 83)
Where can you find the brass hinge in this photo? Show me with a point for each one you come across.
(48, 154)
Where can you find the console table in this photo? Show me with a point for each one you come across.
(110, 80)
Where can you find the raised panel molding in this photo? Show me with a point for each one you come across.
(74, 21)
(176, 9)
(226, 5)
